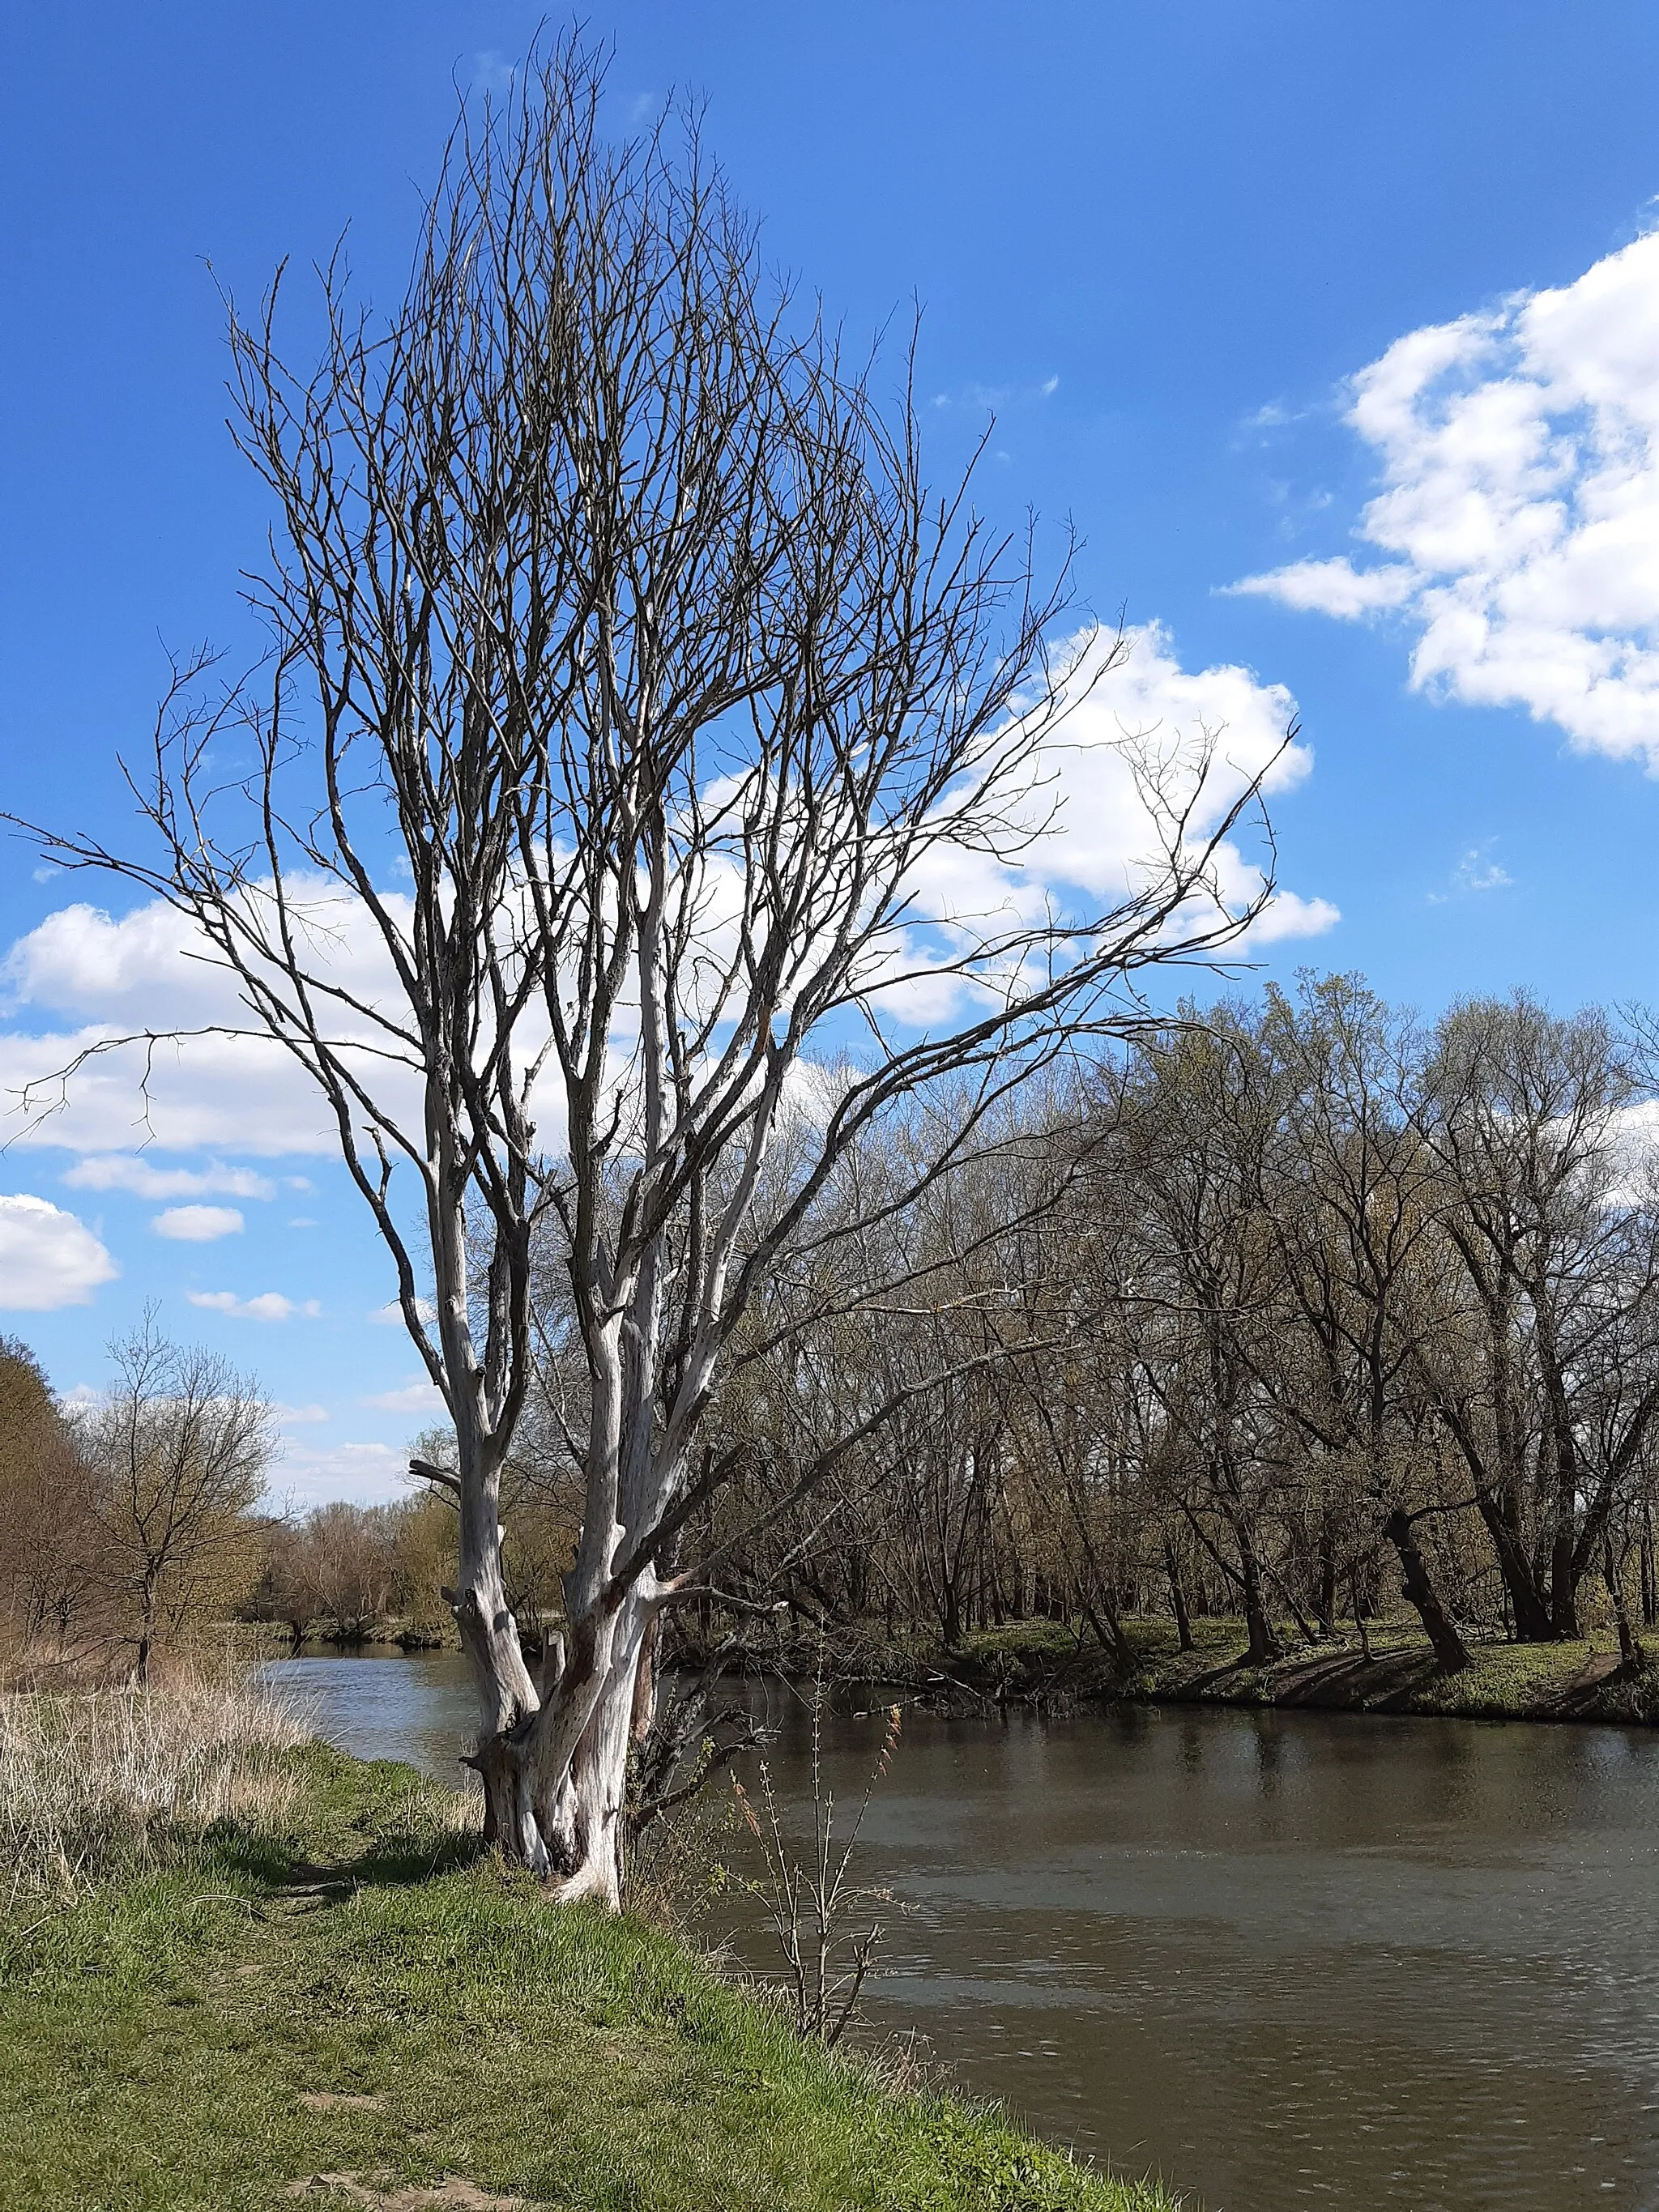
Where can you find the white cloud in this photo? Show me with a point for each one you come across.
(145, 971)
(127, 1171)
(391, 1316)
(996, 397)
(1288, 914)
(47, 1258)
(269, 1305)
(1145, 707)
(1475, 872)
(1519, 506)
(1335, 588)
(492, 72)
(84, 978)
(199, 1225)
(366, 1473)
(417, 1396)
(293, 1417)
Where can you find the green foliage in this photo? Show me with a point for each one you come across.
(160, 2037)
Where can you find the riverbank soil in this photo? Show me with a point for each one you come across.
(1049, 1664)
(361, 2011)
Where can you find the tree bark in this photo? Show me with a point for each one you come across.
(1360, 1617)
(1531, 1616)
(1328, 1581)
(146, 1634)
(1178, 1600)
(1631, 1658)
(1449, 1649)
(1264, 1645)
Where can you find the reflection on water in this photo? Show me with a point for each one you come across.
(1279, 1958)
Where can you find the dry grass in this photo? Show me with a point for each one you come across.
(103, 1781)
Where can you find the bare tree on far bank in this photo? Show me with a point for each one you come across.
(179, 1448)
(1245, 1368)
(610, 602)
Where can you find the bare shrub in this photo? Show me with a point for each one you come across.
(810, 1904)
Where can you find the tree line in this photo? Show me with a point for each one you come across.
(1297, 1311)
(140, 1521)
(1294, 1312)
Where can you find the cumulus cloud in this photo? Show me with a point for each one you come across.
(199, 1225)
(1137, 708)
(417, 1396)
(127, 1171)
(85, 978)
(1518, 515)
(1335, 588)
(48, 1259)
(213, 1091)
(293, 1417)
(269, 1305)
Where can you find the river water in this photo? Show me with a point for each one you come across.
(1280, 1958)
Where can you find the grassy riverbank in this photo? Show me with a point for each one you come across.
(329, 1997)
(1046, 1663)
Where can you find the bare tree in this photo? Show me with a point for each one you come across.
(1353, 1205)
(608, 603)
(1202, 1109)
(178, 1449)
(1521, 1113)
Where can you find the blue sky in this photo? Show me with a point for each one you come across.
(1162, 242)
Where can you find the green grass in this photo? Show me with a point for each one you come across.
(160, 2036)
(1045, 1660)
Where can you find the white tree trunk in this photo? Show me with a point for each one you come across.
(583, 1802)
(555, 1775)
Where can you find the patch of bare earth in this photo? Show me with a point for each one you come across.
(379, 2192)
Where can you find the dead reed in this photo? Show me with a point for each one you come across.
(102, 1781)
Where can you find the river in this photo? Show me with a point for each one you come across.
(1280, 1958)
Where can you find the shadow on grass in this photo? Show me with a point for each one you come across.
(1612, 1689)
(1387, 1682)
(373, 1825)
(279, 1864)
(1199, 1685)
